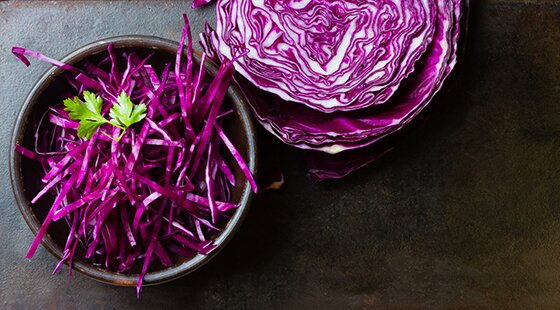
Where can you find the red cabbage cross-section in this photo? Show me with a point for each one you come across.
(328, 55)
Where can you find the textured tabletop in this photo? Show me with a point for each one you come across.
(464, 214)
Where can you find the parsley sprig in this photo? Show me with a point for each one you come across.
(123, 113)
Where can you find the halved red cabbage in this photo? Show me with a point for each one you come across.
(329, 55)
(332, 133)
(302, 122)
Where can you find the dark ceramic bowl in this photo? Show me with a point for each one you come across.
(25, 174)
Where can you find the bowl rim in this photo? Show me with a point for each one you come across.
(238, 100)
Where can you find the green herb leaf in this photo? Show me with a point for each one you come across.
(88, 113)
(87, 129)
(125, 113)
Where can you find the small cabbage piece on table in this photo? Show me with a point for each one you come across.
(338, 76)
(139, 168)
(199, 3)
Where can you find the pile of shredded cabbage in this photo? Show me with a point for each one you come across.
(160, 190)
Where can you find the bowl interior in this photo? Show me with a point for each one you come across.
(51, 90)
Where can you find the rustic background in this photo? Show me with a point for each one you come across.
(464, 214)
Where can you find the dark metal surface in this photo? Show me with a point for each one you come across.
(465, 214)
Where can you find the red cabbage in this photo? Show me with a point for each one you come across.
(199, 3)
(336, 132)
(136, 199)
(329, 55)
(338, 76)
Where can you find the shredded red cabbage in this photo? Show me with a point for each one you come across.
(164, 187)
(199, 3)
